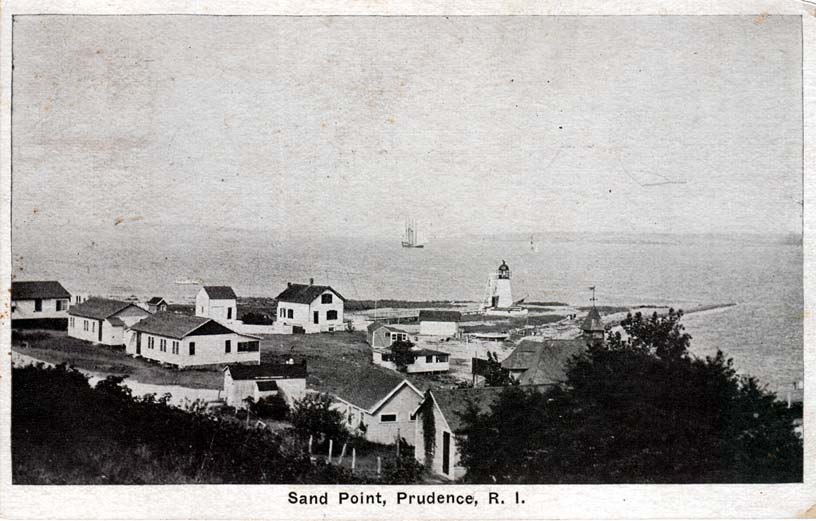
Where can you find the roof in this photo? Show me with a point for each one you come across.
(453, 402)
(377, 325)
(267, 371)
(543, 362)
(175, 325)
(439, 315)
(267, 385)
(116, 321)
(305, 293)
(155, 301)
(31, 289)
(426, 352)
(593, 321)
(371, 393)
(220, 292)
(99, 308)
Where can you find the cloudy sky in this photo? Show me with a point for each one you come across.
(345, 126)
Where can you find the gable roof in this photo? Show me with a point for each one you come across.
(439, 315)
(267, 371)
(220, 292)
(543, 362)
(374, 326)
(593, 321)
(156, 301)
(175, 325)
(370, 394)
(100, 308)
(32, 289)
(453, 402)
(304, 293)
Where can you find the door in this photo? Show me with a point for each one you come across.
(445, 452)
(138, 342)
(316, 317)
(100, 330)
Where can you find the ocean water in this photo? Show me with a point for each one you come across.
(762, 275)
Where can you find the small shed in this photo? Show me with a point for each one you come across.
(435, 322)
(260, 381)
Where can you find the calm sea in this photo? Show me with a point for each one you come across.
(763, 276)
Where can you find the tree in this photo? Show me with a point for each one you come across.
(494, 374)
(404, 468)
(403, 355)
(313, 415)
(640, 409)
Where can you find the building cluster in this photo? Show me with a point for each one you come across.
(382, 410)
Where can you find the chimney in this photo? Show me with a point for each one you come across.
(311, 282)
(288, 284)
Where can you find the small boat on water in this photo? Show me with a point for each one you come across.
(410, 237)
(188, 282)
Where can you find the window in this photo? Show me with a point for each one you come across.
(326, 298)
(150, 342)
(76, 299)
(386, 357)
(290, 313)
(282, 313)
(331, 314)
(441, 358)
(93, 326)
(192, 348)
(429, 359)
(70, 322)
(162, 345)
(229, 313)
(84, 325)
(249, 347)
(37, 305)
(62, 305)
(175, 347)
(227, 346)
(388, 418)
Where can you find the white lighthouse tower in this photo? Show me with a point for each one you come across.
(498, 299)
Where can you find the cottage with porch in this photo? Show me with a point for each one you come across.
(217, 302)
(383, 335)
(103, 321)
(261, 381)
(424, 360)
(186, 341)
(156, 304)
(381, 409)
(39, 303)
(310, 308)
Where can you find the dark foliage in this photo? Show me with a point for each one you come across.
(65, 432)
(262, 319)
(402, 354)
(494, 374)
(639, 410)
(404, 468)
(314, 416)
(274, 407)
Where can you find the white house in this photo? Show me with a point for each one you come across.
(156, 304)
(218, 302)
(310, 308)
(435, 322)
(185, 341)
(39, 302)
(424, 360)
(444, 407)
(103, 321)
(260, 381)
(380, 409)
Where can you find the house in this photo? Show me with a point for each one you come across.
(217, 302)
(383, 335)
(436, 322)
(424, 360)
(442, 408)
(260, 381)
(543, 362)
(184, 341)
(310, 309)
(380, 408)
(103, 321)
(39, 303)
(156, 304)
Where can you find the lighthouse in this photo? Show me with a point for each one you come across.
(499, 294)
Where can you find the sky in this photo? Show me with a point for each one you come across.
(346, 126)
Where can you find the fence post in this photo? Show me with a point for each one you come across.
(343, 453)
(353, 459)
(331, 446)
(310, 444)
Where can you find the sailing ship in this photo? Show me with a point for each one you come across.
(409, 238)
